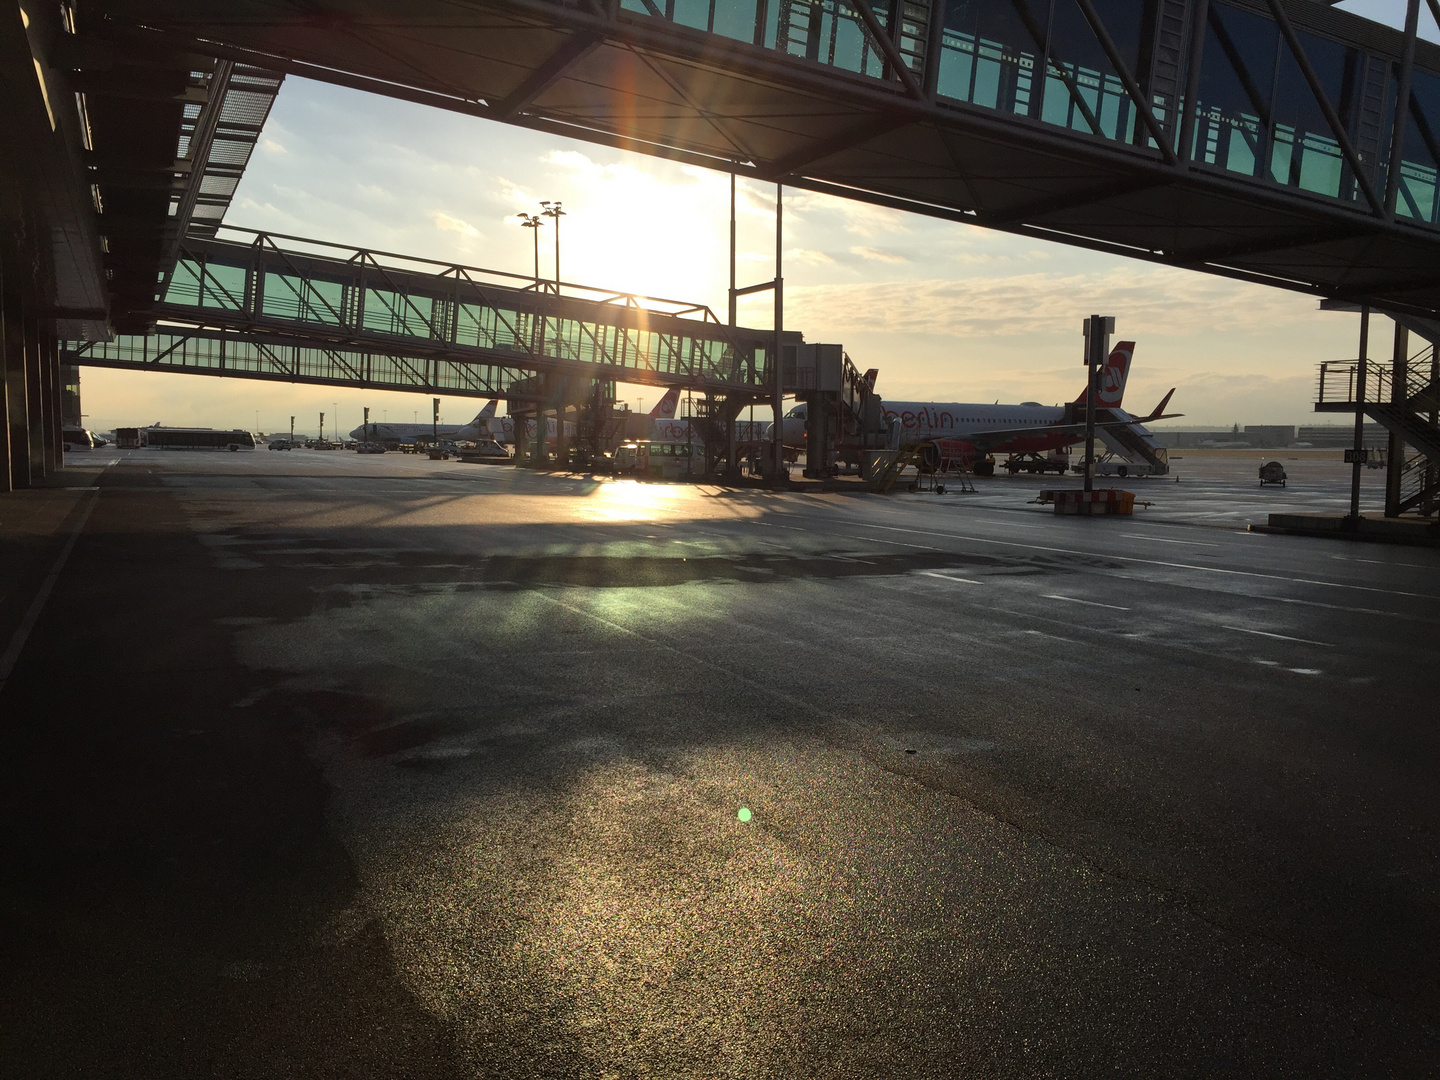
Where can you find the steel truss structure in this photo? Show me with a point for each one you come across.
(1277, 141)
(1403, 396)
(296, 310)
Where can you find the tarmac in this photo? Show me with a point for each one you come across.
(325, 765)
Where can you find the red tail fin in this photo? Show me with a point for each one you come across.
(665, 408)
(1111, 390)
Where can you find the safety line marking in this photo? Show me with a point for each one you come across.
(1166, 540)
(37, 605)
(1133, 559)
(1077, 600)
(949, 577)
(1281, 637)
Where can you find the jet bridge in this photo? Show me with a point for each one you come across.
(260, 305)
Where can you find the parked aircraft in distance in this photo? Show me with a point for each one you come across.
(977, 430)
(502, 428)
(408, 433)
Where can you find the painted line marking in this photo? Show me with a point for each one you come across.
(1165, 540)
(1280, 637)
(1090, 603)
(32, 613)
(1146, 562)
(949, 577)
(897, 543)
(1382, 562)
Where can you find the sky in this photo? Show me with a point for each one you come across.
(945, 311)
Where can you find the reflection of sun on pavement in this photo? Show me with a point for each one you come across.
(630, 500)
(632, 919)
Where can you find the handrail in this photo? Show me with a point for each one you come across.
(1337, 380)
(684, 307)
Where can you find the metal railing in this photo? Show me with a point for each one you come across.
(1338, 382)
(332, 297)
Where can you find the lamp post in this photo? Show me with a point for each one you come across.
(553, 210)
(533, 222)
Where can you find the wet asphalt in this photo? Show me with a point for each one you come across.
(317, 765)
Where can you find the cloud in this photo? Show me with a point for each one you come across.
(1157, 300)
(808, 257)
(446, 223)
(270, 146)
(877, 255)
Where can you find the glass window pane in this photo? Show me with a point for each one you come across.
(1241, 51)
(735, 19)
(224, 287)
(1420, 154)
(694, 13)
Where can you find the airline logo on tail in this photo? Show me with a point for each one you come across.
(665, 407)
(1111, 390)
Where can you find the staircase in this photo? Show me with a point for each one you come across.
(1410, 412)
(891, 464)
(1131, 441)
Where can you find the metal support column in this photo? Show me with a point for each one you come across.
(732, 466)
(1402, 107)
(17, 397)
(1199, 20)
(777, 433)
(6, 484)
(1399, 380)
(35, 396)
(1360, 367)
(1098, 329)
(54, 413)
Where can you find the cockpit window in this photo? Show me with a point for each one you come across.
(797, 413)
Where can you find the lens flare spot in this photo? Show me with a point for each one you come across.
(744, 814)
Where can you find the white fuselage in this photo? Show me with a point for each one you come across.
(404, 433)
(502, 429)
(929, 420)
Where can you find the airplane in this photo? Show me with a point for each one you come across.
(408, 433)
(502, 429)
(977, 430)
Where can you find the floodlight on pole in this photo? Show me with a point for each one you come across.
(554, 211)
(533, 222)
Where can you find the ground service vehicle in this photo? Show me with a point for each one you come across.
(167, 438)
(1272, 472)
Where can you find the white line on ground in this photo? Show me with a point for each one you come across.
(949, 577)
(1134, 559)
(1077, 600)
(1164, 540)
(1281, 637)
(32, 613)
(882, 540)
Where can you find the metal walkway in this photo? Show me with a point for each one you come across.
(295, 310)
(1278, 141)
